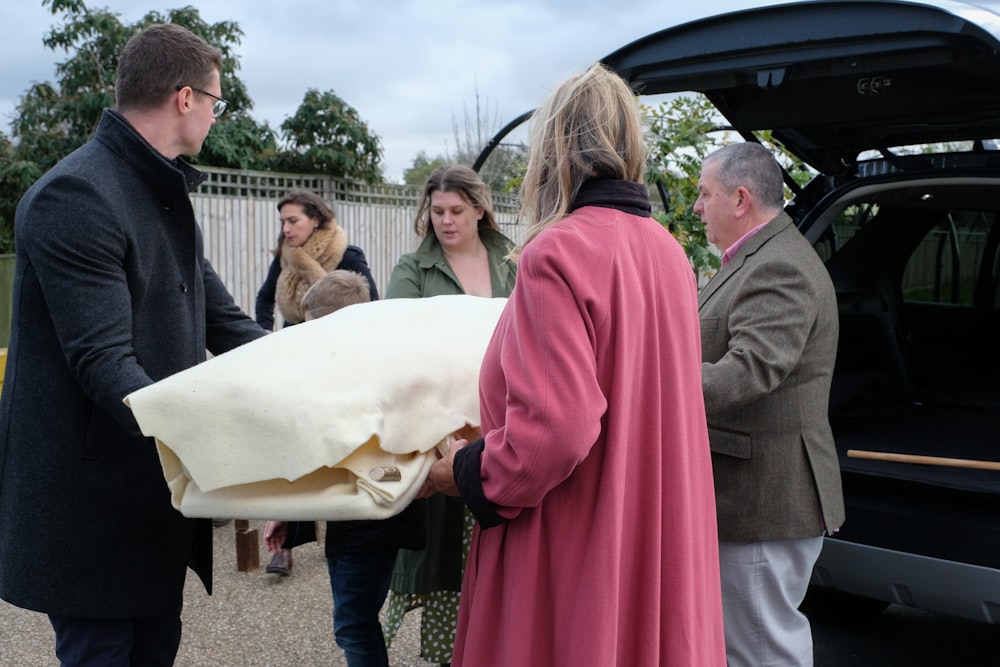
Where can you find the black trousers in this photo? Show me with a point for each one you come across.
(150, 641)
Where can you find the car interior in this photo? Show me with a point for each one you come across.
(916, 266)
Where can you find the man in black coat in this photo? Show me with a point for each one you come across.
(111, 293)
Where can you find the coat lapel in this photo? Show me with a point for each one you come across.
(753, 244)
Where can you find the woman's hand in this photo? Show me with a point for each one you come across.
(275, 533)
(441, 478)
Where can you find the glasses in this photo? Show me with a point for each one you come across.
(218, 108)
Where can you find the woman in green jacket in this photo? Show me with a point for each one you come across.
(463, 252)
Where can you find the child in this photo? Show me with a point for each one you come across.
(334, 291)
(360, 555)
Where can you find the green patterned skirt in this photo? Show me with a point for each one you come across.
(431, 579)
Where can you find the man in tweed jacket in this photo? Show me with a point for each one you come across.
(769, 341)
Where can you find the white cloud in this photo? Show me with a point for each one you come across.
(408, 67)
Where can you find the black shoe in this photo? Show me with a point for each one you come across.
(281, 563)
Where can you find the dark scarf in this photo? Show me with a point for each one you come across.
(624, 196)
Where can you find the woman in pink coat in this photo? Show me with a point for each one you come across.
(592, 487)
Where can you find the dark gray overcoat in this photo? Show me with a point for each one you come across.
(111, 292)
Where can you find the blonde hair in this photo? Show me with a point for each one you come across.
(338, 289)
(589, 127)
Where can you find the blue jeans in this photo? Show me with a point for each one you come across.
(360, 583)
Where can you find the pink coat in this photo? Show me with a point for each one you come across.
(597, 453)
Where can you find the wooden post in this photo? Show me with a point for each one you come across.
(247, 547)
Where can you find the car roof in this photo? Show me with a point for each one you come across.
(832, 78)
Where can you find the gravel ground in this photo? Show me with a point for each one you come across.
(253, 619)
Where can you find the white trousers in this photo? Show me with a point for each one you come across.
(763, 584)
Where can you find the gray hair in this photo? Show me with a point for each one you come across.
(752, 166)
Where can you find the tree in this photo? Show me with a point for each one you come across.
(503, 170)
(238, 142)
(16, 176)
(679, 133)
(421, 169)
(505, 166)
(53, 119)
(682, 131)
(327, 136)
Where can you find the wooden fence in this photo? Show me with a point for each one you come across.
(239, 218)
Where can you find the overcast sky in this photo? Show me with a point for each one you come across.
(408, 66)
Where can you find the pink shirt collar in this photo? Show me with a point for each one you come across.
(733, 249)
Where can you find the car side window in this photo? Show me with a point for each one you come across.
(843, 229)
(948, 264)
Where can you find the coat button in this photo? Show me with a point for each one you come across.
(184, 287)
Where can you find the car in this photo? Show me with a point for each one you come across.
(895, 107)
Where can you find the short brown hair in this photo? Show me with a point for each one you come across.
(338, 289)
(159, 58)
(470, 187)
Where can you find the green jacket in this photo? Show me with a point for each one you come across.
(426, 273)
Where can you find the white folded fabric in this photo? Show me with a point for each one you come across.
(293, 425)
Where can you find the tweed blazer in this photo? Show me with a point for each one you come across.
(112, 292)
(769, 332)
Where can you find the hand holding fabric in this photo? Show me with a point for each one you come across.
(441, 478)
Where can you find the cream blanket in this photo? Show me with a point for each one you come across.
(301, 424)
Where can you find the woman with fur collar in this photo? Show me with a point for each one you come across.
(311, 244)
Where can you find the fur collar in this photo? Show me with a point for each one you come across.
(302, 266)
